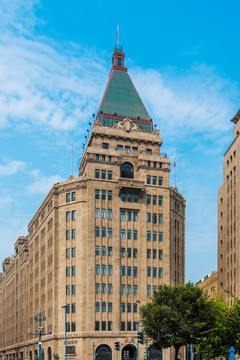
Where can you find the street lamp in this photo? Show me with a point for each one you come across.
(65, 307)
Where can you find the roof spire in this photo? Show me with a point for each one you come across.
(117, 35)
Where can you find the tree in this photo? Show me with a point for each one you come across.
(177, 316)
(226, 331)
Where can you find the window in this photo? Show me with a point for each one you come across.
(68, 271)
(135, 197)
(97, 231)
(135, 326)
(154, 164)
(109, 175)
(103, 194)
(148, 217)
(103, 232)
(129, 307)
(154, 254)
(73, 308)
(129, 271)
(103, 288)
(135, 216)
(74, 196)
(135, 289)
(110, 195)
(119, 147)
(97, 269)
(73, 270)
(154, 200)
(68, 216)
(97, 288)
(73, 326)
(73, 233)
(97, 193)
(97, 325)
(148, 179)
(123, 196)
(134, 150)
(122, 252)
(68, 199)
(160, 200)
(67, 327)
(122, 215)
(103, 307)
(129, 197)
(105, 145)
(135, 253)
(109, 325)
(160, 236)
(97, 173)
(134, 234)
(97, 307)
(148, 199)
(103, 270)
(154, 272)
(109, 288)
(73, 215)
(122, 308)
(148, 290)
(154, 218)
(122, 289)
(154, 180)
(68, 235)
(103, 213)
(160, 218)
(109, 251)
(103, 325)
(109, 269)
(134, 271)
(127, 149)
(129, 252)
(122, 270)
(73, 252)
(103, 174)
(129, 289)
(97, 213)
(129, 326)
(154, 235)
(154, 288)
(148, 253)
(129, 216)
(160, 272)
(149, 163)
(148, 235)
(103, 250)
(160, 254)
(103, 158)
(97, 157)
(109, 232)
(109, 213)
(67, 253)
(134, 307)
(127, 170)
(148, 151)
(73, 289)
(109, 307)
(160, 181)
(122, 234)
(129, 234)
(122, 326)
(148, 271)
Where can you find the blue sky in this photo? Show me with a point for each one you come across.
(55, 58)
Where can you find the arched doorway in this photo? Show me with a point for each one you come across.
(154, 354)
(30, 355)
(49, 353)
(129, 352)
(36, 354)
(103, 352)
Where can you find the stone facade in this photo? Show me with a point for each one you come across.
(100, 243)
(209, 284)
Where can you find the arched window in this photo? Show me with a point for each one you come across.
(103, 352)
(127, 170)
(49, 354)
(30, 355)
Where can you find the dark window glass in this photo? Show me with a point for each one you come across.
(110, 195)
(135, 197)
(123, 196)
(154, 180)
(104, 174)
(122, 326)
(105, 145)
(74, 196)
(97, 193)
(68, 199)
(134, 234)
(160, 180)
(109, 175)
(97, 174)
(103, 194)
(148, 179)
(148, 199)
(97, 325)
(127, 170)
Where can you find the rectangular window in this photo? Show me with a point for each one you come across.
(109, 269)
(68, 199)
(134, 271)
(73, 289)
(109, 288)
(97, 288)
(109, 175)
(129, 252)
(148, 179)
(109, 251)
(103, 213)
(73, 270)
(154, 164)
(148, 253)
(134, 307)
(97, 173)
(154, 218)
(109, 325)
(119, 147)
(97, 325)
(148, 235)
(103, 194)
(68, 235)
(97, 269)
(122, 270)
(149, 151)
(73, 233)
(67, 327)
(129, 307)
(148, 290)
(135, 216)
(103, 288)
(154, 234)
(135, 253)
(67, 253)
(97, 157)
(103, 270)
(105, 145)
(122, 234)
(68, 290)
(109, 307)
(160, 181)
(122, 326)
(129, 271)
(154, 272)
(129, 289)
(160, 254)
(154, 180)
(109, 232)
(122, 252)
(103, 307)
(160, 272)
(109, 213)
(154, 199)
(73, 252)
(160, 200)
(97, 307)
(97, 212)
(68, 271)
(129, 326)
(103, 158)
(103, 250)
(148, 217)
(148, 271)
(97, 193)
(103, 174)
(122, 307)
(97, 231)
(127, 149)
(135, 197)
(135, 326)
(110, 195)
(134, 150)
(73, 215)
(74, 196)
(68, 216)
(129, 197)
(103, 325)
(129, 216)
(160, 236)
(122, 289)
(154, 288)
(73, 326)
(122, 215)
(129, 234)
(135, 289)
(123, 196)
(148, 199)
(103, 232)
(73, 308)
(160, 218)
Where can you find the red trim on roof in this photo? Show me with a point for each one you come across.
(121, 68)
(124, 117)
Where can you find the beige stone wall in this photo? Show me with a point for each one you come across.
(209, 285)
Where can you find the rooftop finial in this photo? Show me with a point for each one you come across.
(117, 35)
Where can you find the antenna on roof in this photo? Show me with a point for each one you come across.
(117, 35)
(72, 159)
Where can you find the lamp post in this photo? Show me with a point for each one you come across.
(65, 321)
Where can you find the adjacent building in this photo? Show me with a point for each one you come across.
(100, 243)
(209, 284)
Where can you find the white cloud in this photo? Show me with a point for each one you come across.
(12, 167)
(42, 184)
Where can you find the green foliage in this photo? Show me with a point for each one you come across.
(226, 330)
(177, 316)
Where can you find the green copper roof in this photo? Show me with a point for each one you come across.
(121, 98)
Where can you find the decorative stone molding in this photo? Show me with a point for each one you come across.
(127, 125)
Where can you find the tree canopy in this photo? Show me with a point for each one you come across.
(177, 316)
